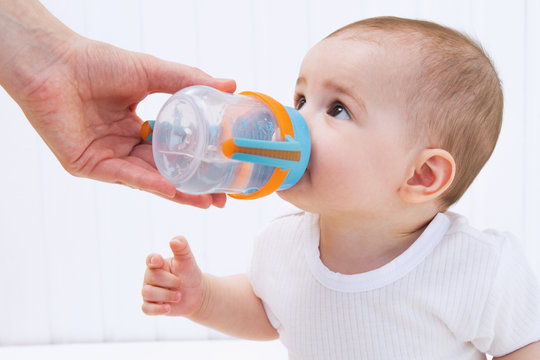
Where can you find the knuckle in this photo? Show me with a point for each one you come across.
(172, 296)
(150, 277)
(200, 73)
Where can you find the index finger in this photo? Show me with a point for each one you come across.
(154, 261)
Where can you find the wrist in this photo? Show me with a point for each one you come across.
(203, 312)
(32, 40)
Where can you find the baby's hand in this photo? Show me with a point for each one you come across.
(173, 286)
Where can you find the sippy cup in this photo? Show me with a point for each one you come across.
(246, 145)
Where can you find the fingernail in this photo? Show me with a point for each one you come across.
(177, 296)
(166, 194)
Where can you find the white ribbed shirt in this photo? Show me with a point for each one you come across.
(456, 293)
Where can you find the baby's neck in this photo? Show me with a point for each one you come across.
(356, 246)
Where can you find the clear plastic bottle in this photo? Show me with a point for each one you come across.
(194, 124)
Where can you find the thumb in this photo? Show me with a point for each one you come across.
(169, 77)
(180, 249)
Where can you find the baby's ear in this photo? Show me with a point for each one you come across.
(432, 174)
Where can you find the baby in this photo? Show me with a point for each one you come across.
(403, 115)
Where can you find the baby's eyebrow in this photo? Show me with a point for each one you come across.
(344, 89)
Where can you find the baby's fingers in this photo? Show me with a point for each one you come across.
(155, 309)
(154, 261)
(158, 294)
(162, 279)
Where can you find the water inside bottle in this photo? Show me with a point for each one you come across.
(212, 171)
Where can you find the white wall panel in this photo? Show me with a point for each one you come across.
(225, 39)
(25, 291)
(531, 190)
(168, 30)
(125, 239)
(282, 39)
(505, 170)
(72, 251)
(117, 22)
(72, 254)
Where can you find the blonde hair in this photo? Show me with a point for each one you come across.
(455, 97)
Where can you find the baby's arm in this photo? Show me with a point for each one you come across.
(177, 287)
(529, 352)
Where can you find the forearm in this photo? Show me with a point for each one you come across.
(230, 306)
(31, 39)
(529, 352)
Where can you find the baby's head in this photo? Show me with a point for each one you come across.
(396, 107)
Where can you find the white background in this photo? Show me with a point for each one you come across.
(72, 251)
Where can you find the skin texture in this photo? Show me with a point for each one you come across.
(81, 95)
(529, 352)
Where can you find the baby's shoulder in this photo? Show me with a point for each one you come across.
(490, 238)
(489, 286)
(498, 246)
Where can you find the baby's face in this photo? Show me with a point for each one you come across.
(352, 95)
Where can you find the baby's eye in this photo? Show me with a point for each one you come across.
(300, 102)
(339, 111)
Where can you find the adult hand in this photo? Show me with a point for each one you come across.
(84, 109)
(80, 95)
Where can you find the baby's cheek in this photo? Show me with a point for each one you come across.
(330, 170)
(330, 158)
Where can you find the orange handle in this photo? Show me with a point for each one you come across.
(286, 128)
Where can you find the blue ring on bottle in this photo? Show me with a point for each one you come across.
(301, 135)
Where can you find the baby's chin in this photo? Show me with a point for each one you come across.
(295, 194)
(296, 198)
(283, 194)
